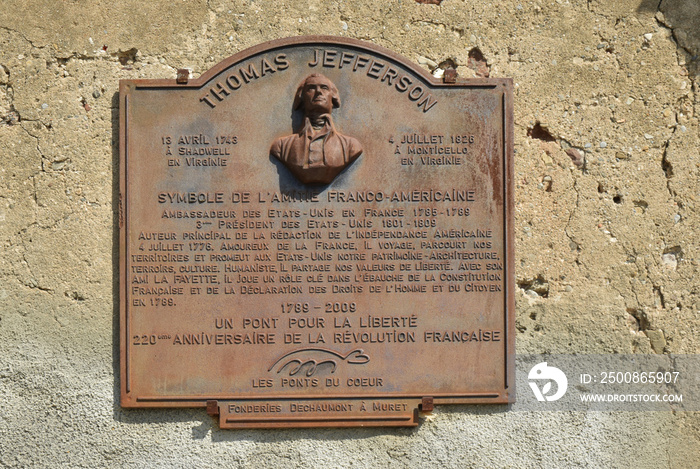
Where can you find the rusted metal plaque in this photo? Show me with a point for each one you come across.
(316, 232)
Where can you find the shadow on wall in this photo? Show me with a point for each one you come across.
(683, 18)
(115, 254)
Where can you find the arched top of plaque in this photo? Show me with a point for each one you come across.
(299, 84)
(275, 92)
(321, 43)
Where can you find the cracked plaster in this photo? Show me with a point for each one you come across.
(606, 250)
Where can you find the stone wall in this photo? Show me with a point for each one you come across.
(607, 210)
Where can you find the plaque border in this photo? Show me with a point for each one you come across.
(504, 396)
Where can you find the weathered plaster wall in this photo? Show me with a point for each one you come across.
(607, 200)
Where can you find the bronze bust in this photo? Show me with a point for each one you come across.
(318, 152)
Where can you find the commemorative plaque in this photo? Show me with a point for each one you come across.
(316, 232)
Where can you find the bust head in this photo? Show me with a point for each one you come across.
(332, 152)
(316, 95)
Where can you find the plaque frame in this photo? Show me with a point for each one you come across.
(224, 405)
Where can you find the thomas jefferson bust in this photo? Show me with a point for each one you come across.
(318, 152)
